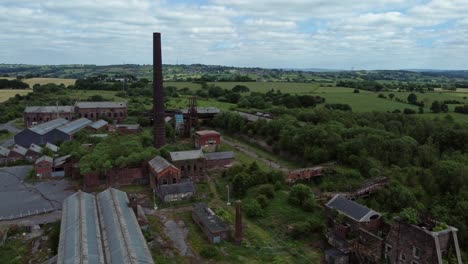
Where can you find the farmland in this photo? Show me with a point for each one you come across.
(41, 81)
(7, 93)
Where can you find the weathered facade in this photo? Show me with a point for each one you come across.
(43, 166)
(212, 226)
(305, 174)
(219, 159)
(35, 115)
(34, 152)
(116, 178)
(17, 153)
(191, 163)
(162, 172)
(175, 192)
(207, 140)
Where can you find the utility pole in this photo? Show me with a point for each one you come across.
(228, 202)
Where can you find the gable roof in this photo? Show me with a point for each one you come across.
(61, 160)
(350, 208)
(207, 132)
(44, 158)
(74, 126)
(35, 148)
(49, 109)
(99, 124)
(209, 219)
(43, 128)
(101, 104)
(219, 155)
(4, 151)
(52, 147)
(176, 188)
(159, 164)
(19, 149)
(186, 155)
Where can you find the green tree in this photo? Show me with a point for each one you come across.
(412, 98)
(435, 107)
(299, 193)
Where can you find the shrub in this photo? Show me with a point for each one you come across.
(299, 193)
(267, 189)
(253, 209)
(262, 200)
(278, 185)
(410, 215)
(209, 252)
(309, 204)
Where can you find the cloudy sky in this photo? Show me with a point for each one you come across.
(334, 34)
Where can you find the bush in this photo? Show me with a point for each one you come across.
(356, 91)
(209, 252)
(408, 111)
(253, 209)
(299, 193)
(309, 204)
(262, 200)
(410, 215)
(267, 189)
(278, 185)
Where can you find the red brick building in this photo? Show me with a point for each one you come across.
(17, 152)
(44, 166)
(191, 163)
(115, 111)
(162, 172)
(35, 115)
(207, 139)
(115, 178)
(34, 152)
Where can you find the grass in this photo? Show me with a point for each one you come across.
(33, 81)
(182, 102)
(6, 94)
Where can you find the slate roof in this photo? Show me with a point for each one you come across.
(101, 104)
(43, 128)
(159, 164)
(19, 149)
(49, 109)
(186, 155)
(350, 208)
(4, 151)
(35, 148)
(168, 189)
(52, 147)
(99, 124)
(74, 126)
(207, 132)
(44, 158)
(209, 220)
(219, 155)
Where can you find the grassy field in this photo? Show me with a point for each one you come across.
(33, 81)
(5, 94)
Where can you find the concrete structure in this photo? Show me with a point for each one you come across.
(219, 159)
(43, 166)
(159, 132)
(102, 229)
(359, 235)
(34, 115)
(212, 226)
(207, 140)
(191, 164)
(115, 111)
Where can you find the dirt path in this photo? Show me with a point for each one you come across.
(254, 155)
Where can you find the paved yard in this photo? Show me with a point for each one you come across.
(19, 199)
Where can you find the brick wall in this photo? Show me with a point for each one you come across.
(43, 168)
(210, 164)
(116, 178)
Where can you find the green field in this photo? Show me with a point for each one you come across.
(41, 81)
(5, 94)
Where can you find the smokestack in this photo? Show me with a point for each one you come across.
(239, 232)
(159, 133)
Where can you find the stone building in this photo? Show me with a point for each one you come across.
(34, 115)
(360, 235)
(212, 226)
(191, 163)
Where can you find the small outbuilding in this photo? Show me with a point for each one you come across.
(17, 152)
(34, 151)
(44, 166)
(212, 226)
(219, 159)
(175, 192)
(207, 139)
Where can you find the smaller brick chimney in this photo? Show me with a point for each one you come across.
(239, 232)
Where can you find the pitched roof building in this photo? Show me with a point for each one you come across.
(213, 227)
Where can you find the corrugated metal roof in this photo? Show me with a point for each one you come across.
(123, 240)
(159, 164)
(35, 148)
(101, 104)
(211, 221)
(52, 147)
(80, 235)
(49, 109)
(349, 208)
(219, 155)
(4, 151)
(186, 155)
(19, 149)
(207, 132)
(98, 124)
(61, 160)
(43, 128)
(102, 229)
(45, 158)
(75, 126)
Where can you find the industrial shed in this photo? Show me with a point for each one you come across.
(66, 132)
(102, 229)
(219, 159)
(213, 227)
(38, 134)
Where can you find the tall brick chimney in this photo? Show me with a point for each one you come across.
(239, 232)
(159, 133)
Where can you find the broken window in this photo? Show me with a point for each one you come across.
(416, 252)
